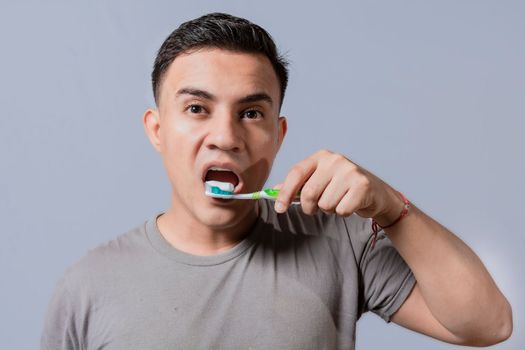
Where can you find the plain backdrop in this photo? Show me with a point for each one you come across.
(428, 95)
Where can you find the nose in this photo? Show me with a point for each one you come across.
(225, 133)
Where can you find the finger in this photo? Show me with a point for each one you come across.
(294, 180)
(278, 186)
(351, 201)
(313, 189)
(333, 194)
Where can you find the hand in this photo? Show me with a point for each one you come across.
(332, 183)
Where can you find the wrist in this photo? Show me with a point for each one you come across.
(377, 225)
(393, 212)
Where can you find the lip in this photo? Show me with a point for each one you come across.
(226, 165)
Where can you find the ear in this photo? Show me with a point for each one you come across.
(151, 122)
(283, 128)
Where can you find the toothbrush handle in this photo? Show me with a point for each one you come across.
(263, 194)
(274, 195)
(245, 196)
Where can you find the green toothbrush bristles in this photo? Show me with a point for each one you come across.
(217, 190)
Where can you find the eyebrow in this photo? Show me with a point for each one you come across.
(256, 97)
(196, 92)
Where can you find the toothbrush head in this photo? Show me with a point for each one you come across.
(219, 189)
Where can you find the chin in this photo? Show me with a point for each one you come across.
(222, 217)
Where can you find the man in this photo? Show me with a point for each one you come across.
(228, 274)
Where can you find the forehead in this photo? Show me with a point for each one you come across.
(222, 72)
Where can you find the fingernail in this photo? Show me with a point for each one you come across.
(279, 207)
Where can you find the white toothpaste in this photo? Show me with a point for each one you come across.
(224, 186)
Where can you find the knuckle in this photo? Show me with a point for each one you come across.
(325, 152)
(326, 206)
(342, 211)
(339, 158)
(309, 192)
(332, 160)
(365, 182)
(353, 167)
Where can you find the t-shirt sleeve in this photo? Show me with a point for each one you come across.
(386, 280)
(60, 326)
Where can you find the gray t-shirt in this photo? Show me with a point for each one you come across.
(295, 282)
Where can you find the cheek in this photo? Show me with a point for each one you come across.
(182, 127)
(188, 131)
(177, 142)
(180, 136)
(265, 145)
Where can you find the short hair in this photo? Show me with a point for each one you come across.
(223, 31)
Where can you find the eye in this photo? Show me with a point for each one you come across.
(195, 109)
(251, 114)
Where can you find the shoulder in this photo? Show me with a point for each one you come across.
(102, 264)
(85, 286)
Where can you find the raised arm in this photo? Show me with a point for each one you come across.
(455, 298)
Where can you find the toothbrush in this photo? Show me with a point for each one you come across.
(218, 189)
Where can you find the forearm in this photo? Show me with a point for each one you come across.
(457, 288)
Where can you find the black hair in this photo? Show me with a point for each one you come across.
(223, 31)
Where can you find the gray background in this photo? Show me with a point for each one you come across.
(428, 95)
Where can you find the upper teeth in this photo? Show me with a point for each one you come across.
(219, 169)
(225, 186)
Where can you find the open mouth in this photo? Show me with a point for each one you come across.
(222, 175)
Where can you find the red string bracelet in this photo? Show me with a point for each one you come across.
(376, 227)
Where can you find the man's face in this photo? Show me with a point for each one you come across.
(217, 109)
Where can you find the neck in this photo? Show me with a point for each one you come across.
(189, 235)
